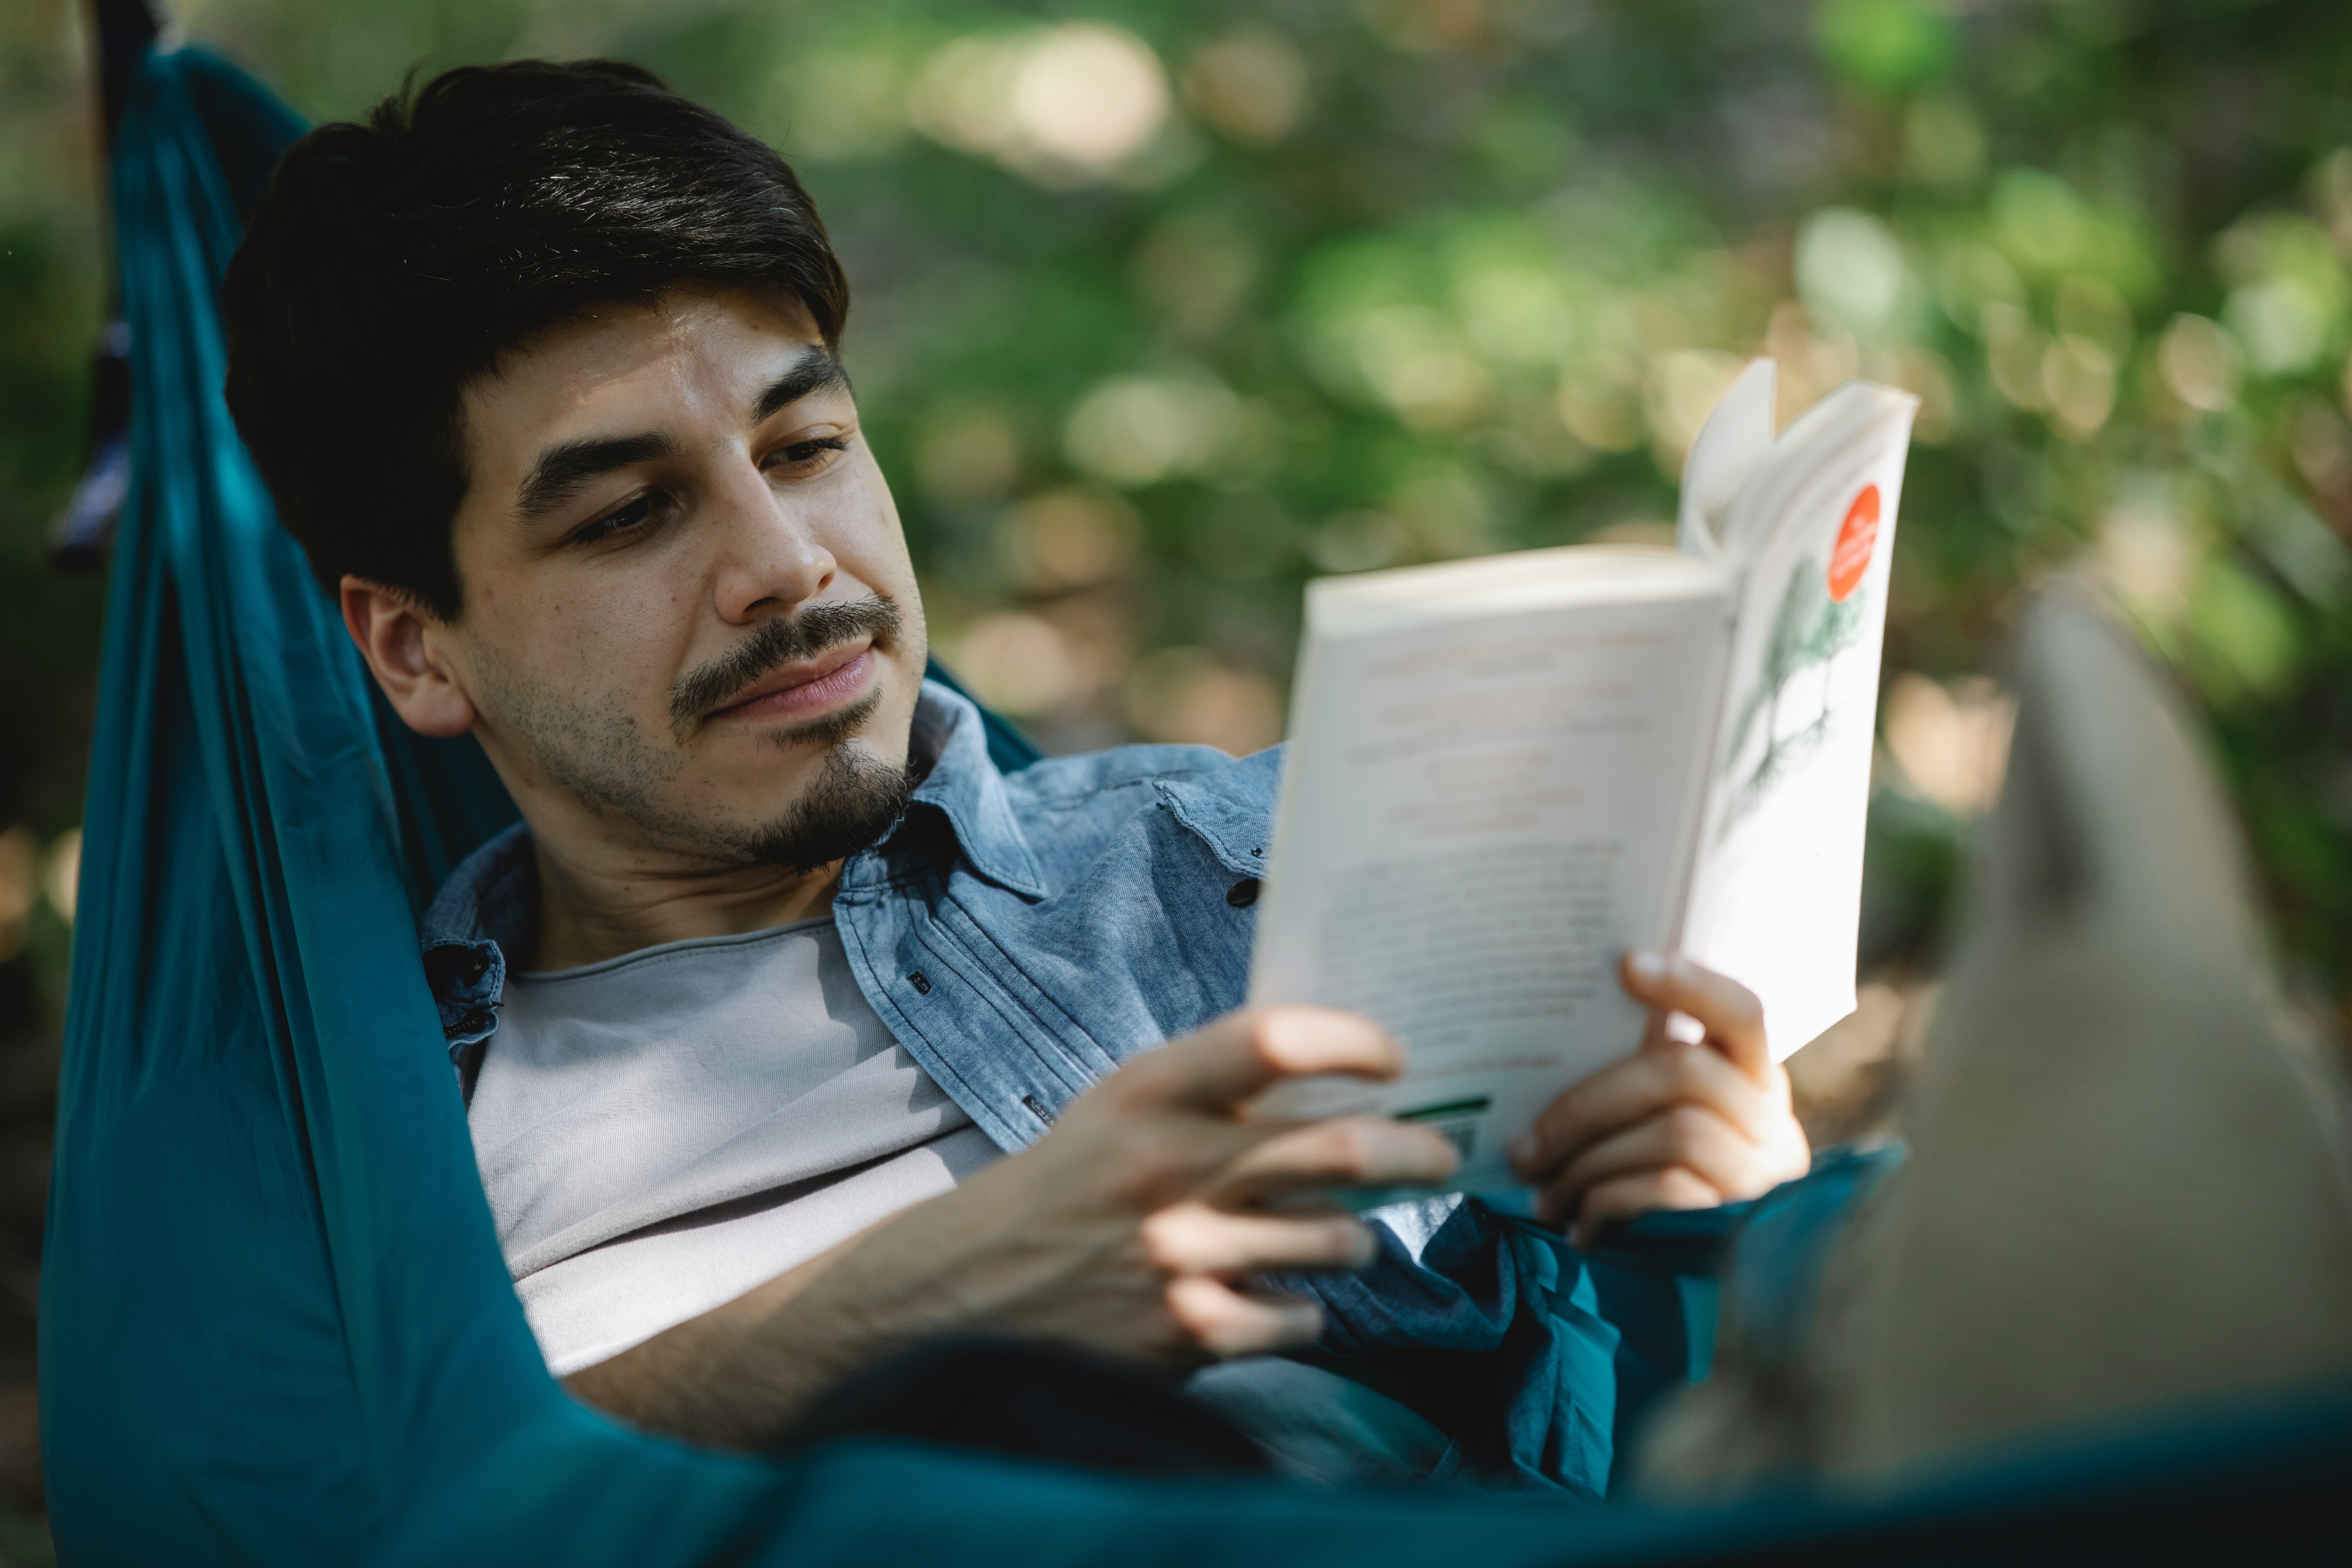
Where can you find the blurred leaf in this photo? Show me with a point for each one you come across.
(1887, 46)
(2244, 629)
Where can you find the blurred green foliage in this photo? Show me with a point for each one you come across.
(1164, 308)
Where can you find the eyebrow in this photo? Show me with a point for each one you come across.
(815, 371)
(563, 469)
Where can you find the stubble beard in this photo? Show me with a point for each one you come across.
(601, 758)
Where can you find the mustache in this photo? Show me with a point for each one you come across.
(787, 639)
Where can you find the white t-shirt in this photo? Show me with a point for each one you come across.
(660, 1132)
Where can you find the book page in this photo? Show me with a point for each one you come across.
(1776, 893)
(1734, 438)
(1478, 815)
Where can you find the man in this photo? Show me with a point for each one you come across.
(789, 1027)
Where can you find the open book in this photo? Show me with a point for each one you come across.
(1505, 772)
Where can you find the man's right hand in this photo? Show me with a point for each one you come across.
(1134, 1226)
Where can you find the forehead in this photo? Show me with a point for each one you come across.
(690, 351)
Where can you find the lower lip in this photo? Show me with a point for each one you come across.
(831, 689)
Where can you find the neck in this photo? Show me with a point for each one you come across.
(591, 911)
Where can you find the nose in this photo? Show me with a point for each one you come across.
(770, 559)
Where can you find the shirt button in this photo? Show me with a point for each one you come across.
(923, 985)
(1244, 893)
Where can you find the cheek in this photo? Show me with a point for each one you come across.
(858, 523)
(611, 646)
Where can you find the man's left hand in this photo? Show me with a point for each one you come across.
(1678, 1124)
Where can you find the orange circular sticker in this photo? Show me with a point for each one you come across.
(1855, 541)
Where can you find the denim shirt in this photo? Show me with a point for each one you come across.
(1024, 935)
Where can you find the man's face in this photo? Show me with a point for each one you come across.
(689, 619)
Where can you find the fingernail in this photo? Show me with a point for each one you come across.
(1523, 1150)
(1647, 966)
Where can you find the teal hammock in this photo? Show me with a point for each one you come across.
(275, 1327)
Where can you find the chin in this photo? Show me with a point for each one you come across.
(845, 804)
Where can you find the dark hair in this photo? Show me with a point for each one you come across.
(390, 262)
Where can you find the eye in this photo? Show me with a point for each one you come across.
(633, 516)
(801, 457)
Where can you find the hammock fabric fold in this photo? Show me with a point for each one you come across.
(275, 1325)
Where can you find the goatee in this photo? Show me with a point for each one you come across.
(852, 803)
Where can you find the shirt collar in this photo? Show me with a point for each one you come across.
(965, 786)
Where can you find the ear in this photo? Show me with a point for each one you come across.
(394, 634)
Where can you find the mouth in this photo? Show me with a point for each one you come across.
(833, 678)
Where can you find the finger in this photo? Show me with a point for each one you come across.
(1687, 1136)
(1242, 1053)
(1664, 1026)
(1729, 1011)
(1194, 1237)
(1346, 1152)
(1637, 1090)
(1155, 1158)
(1226, 1321)
(1629, 1198)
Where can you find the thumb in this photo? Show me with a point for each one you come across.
(1729, 1011)
(1218, 1066)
